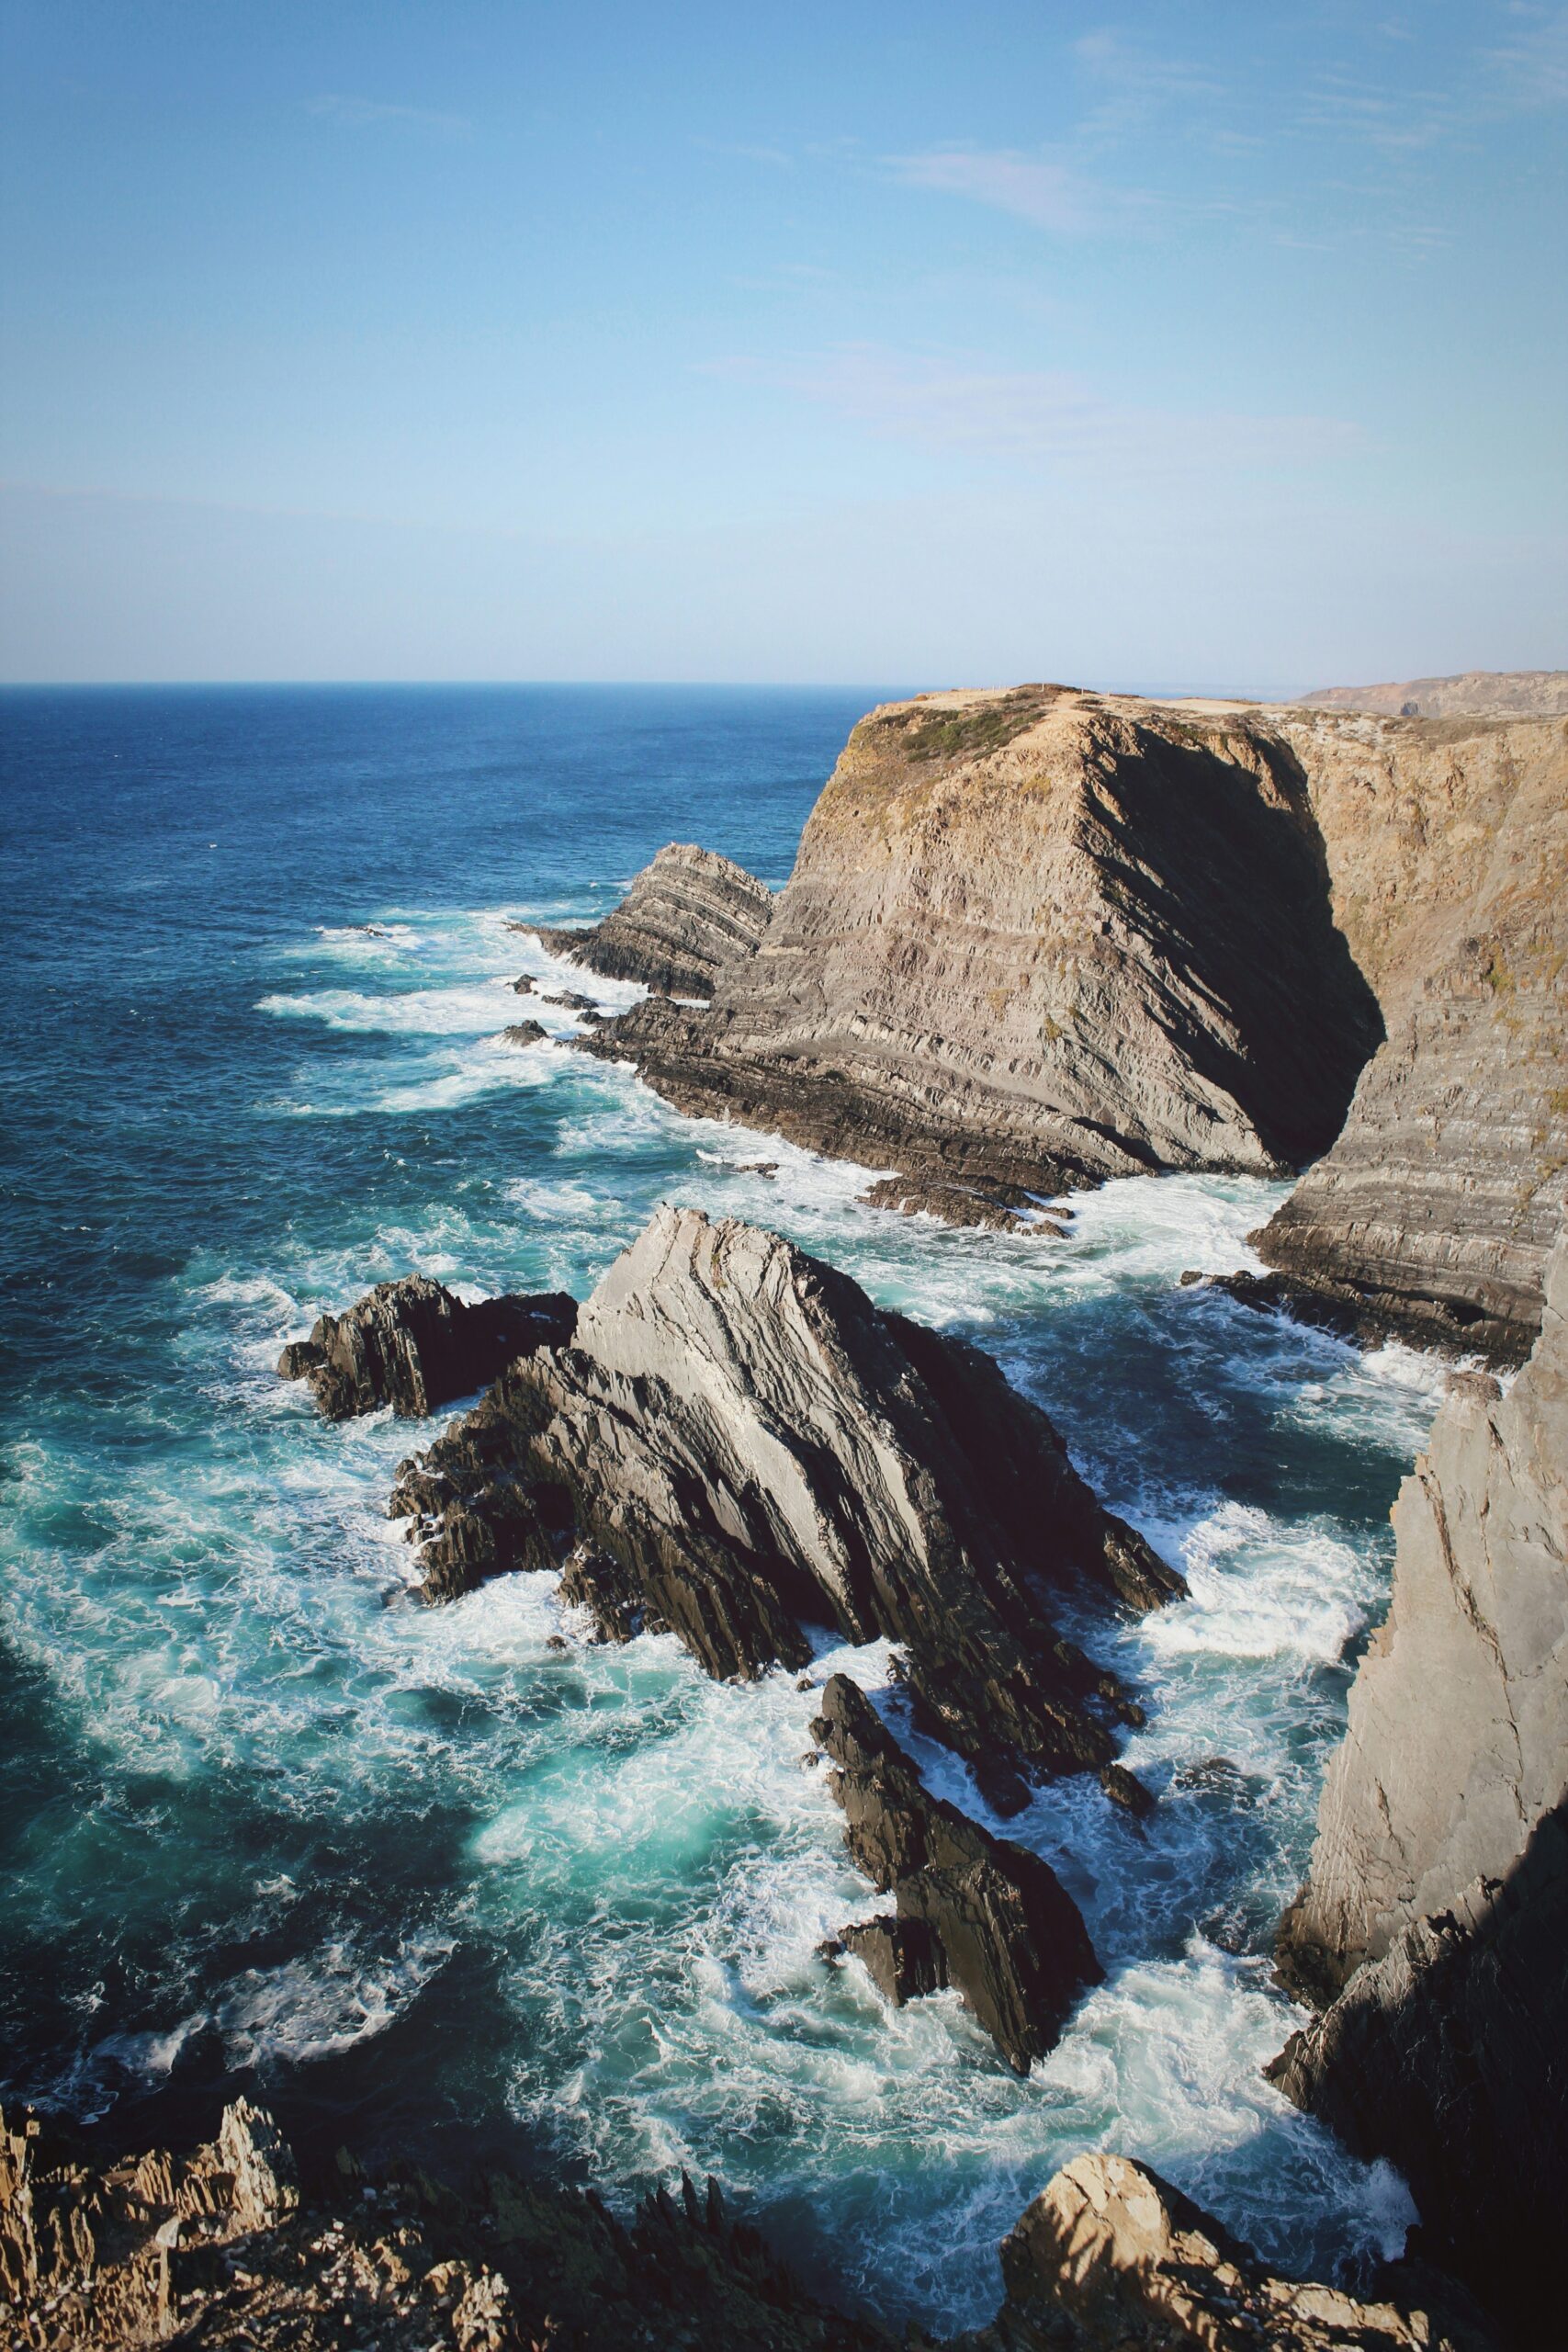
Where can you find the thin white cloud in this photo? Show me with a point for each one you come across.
(1048, 194)
(1039, 417)
(358, 113)
(1534, 67)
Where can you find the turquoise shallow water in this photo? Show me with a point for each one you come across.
(411, 1873)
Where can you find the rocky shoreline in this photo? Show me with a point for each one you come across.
(1033, 939)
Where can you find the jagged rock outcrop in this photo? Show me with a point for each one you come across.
(686, 917)
(413, 1345)
(974, 1912)
(1446, 843)
(737, 1443)
(1473, 693)
(222, 2249)
(1035, 939)
(1112, 2258)
(1434, 1916)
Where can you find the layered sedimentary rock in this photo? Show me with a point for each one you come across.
(1112, 2258)
(1435, 1916)
(972, 1911)
(737, 1443)
(1473, 693)
(1446, 844)
(1034, 939)
(413, 1345)
(685, 918)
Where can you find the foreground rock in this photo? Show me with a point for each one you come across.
(1447, 843)
(1435, 1916)
(1036, 939)
(224, 2250)
(972, 1911)
(1112, 2258)
(737, 1443)
(684, 920)
(413, 1345)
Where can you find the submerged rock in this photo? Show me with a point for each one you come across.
(413, 1345)
(683, 920)
(737, 1443)
(1434, 1921)
(974, 1911)
(1002, 1208)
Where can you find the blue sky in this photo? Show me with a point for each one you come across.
(1210, 345)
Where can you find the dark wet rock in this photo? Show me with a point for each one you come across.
(1112, 2258)
(525, 1033)
(1434, 1922)
(1124, 1789)
(1276, 1295)
(974, 1911)
(570, 1000)
(756, 1167)
(413, 1345)
(685, 918)
(904, 1958)
(739, 1442)
(525, 986)
(1003, 1208)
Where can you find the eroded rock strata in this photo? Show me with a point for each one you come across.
(972, 1911)
(1035, 939)
(413, 1345)
(1434, 1918)
(738, 1444)
(1447, 843)
(685, 918)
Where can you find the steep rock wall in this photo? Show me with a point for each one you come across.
(686, 915)
(1039, 937)
(1447, 845)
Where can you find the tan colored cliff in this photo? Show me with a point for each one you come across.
(1472, 694)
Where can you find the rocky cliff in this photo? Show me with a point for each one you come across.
(737, 1443)
(684, 918)
(1473, 693)
(229, 2249)
(1435, 1916)
(413, 1345)
(1445, 845)
(1034, 939)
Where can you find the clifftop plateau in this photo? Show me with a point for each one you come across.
(1473, 693)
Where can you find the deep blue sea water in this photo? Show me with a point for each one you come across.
(410, 1875)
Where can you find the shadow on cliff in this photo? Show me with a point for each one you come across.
(1450, 2056)
(1228, 872)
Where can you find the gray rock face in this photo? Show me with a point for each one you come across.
(1034, 939)
(413, 1345)
(1435, 1918)
(974, 1911)
(1457, 1741)
(739, 1442)
(1447, 845)
(685, 918)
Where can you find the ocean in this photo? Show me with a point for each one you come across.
(411, 1876)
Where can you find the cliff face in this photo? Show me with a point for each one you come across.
(1039, 937)
(1445, 845)
(685, 917)
(1435, 1909)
